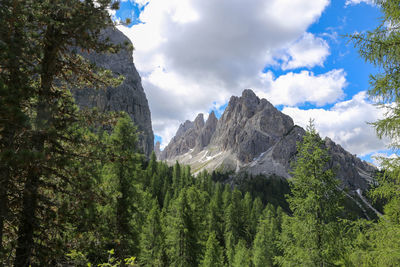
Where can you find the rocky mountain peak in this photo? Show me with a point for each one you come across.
(199, 122)
(183, 128)
(250, 126)
(253, 136)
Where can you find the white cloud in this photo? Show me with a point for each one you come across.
(308, 51)
(192, 53)
(296, 88)
(346, 123)
(356, 2)
(377, 157)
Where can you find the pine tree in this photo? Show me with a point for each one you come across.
(152, 239)
(213, 256)
(310, 237)
(125, 172)
(381, 48)
(242, 255)
(248, 231)
(264, 248)
(43, 34)
(181, 235)
(177, 178)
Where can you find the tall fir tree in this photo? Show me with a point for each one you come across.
(213, 256)
(310, 237)
(242, 255)
(264, 247)
(181, 235)
(152, 248)
(43, 34)
(124, 173)
(381, 48)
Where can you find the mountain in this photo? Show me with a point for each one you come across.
(253, 136)
(129, 96)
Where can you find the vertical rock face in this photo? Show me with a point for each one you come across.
(185, 139)
(207, 132)
(249, 126)
(253, 136)
(129, 96)
(157, 149)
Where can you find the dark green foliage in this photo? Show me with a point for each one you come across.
(125, 197)
(265, 242)
(181, 234)
(270, 189)
(152, 248)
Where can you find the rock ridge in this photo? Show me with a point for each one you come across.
(253, 136)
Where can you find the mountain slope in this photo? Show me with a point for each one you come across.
(129, 96)
(253, 136)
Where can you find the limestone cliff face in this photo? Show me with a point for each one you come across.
(253, 136)
(129, 96)
(249, 126)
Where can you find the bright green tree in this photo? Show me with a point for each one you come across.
(152, 239)
(123, 174)
(181, 235)
(242, 255)
(264, 248)
(381, 48)
(213, 256)
(310, 237)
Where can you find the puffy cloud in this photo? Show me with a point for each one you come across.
(296, 88)
(308, 51)
(346, 123)
(193, 54)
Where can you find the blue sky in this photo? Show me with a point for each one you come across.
(194, 54)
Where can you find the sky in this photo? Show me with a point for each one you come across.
(193, 55)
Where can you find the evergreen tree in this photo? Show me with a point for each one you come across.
(242, 255)
(176, 178)
(181, 235)
(213, 256)
(125, 171)
(247, 204)
(43, 34)
(264, 248)
(310, 237)
(152, 239)
(381, 48)
(256, 212)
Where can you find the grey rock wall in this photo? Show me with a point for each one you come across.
(129, 96)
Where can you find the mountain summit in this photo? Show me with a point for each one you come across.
(253, 136)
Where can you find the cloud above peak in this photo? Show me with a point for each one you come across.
(346, 123)
(194, 54)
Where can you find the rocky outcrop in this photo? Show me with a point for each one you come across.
(250, 126)
(157, 149)
(185, 139)
(129, 96)
(253, 136)
(207, 132)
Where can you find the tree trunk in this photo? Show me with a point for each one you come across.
(4, 176)
(27, 224)
(28, 220)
